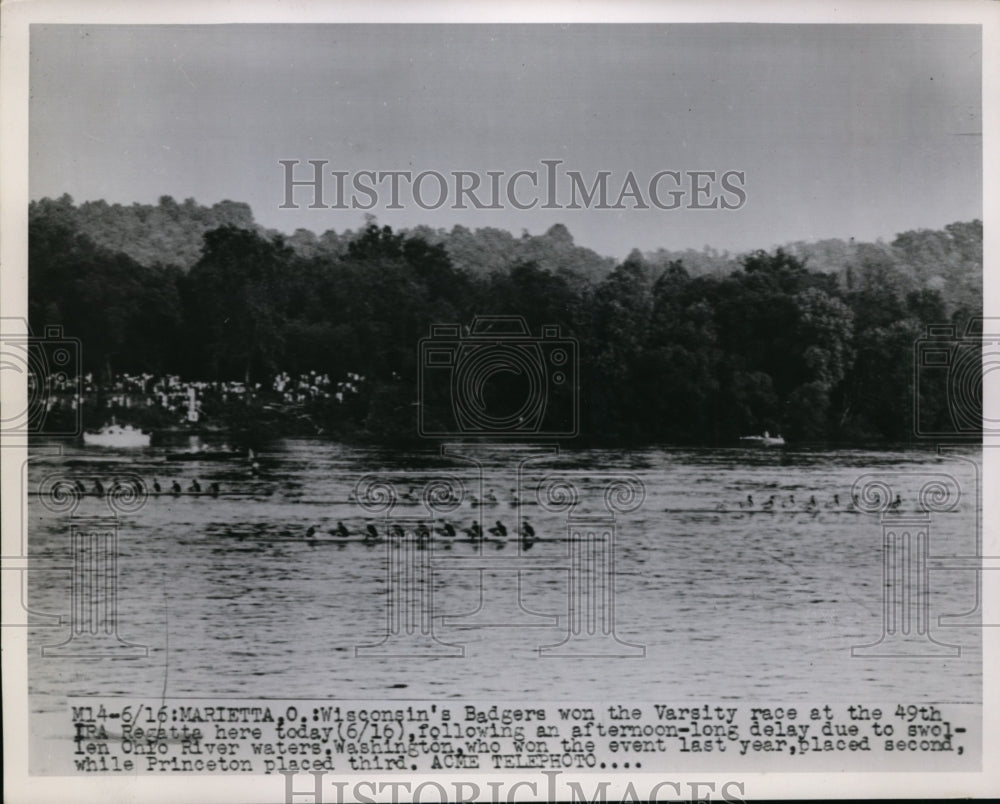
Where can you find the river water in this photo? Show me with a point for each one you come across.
(712, 600)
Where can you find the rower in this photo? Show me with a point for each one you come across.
(447, 529)
(311, 532)
(498, 530)
(195, 486)
(215, 489)
(423, 533)
(340, 531)
(474, 532)
(156, 485)
(371, 533)
(98, 488)
(528, 537)
(397, 532)
(175, 487)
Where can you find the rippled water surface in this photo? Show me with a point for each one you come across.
(233, 599)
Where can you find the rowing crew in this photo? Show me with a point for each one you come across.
(412, 495)
(194, 487)
(813, 505)
(422, 533)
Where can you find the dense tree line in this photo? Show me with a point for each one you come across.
(668, 352)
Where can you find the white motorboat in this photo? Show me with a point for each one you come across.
(116, 435)
(766, 440)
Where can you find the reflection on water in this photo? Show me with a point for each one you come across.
(233, 598)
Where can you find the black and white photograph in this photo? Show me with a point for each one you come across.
(402, 403)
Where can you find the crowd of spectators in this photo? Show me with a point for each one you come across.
(189, 399)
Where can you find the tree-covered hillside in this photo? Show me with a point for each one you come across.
(815, 341)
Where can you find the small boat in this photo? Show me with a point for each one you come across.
(116, 435)
(766, 440)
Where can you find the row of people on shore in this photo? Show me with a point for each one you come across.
(175, 394)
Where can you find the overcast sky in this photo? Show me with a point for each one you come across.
(842, 131)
